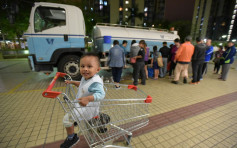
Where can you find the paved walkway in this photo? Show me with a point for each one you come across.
(182, 115)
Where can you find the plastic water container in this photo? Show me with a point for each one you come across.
(107, 39)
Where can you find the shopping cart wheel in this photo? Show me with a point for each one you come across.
(128, 139)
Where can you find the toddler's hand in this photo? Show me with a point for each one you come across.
(83, 101)
(67, 82)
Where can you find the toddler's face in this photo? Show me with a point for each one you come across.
(89, 67)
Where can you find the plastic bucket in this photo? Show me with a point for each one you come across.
(107, 39)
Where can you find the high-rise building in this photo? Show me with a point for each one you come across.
(170, 10)
(153, 10)
(215, 19)
(128, 12)
(140, 12)
(99, 7)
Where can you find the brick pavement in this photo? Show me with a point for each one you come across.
(206, 114)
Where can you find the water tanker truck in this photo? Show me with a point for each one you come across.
(56, 38)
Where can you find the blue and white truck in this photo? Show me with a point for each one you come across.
(56, 37)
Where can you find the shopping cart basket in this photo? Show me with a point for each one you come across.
(119, 114)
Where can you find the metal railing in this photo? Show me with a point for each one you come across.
(135, 27)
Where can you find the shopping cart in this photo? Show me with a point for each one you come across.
(120, 113)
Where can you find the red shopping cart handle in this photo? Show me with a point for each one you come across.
(148, 99)
(53, 94)
(132, 87)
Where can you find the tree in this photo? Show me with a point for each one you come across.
(134, 14)
(183, 28)
(13, 23)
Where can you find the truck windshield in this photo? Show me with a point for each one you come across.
(48, 17)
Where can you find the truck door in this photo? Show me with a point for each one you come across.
(50, 31)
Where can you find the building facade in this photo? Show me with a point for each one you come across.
(127, 12)
(215, 20)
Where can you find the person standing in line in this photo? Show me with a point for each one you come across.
(123, 46)
(208, 55)
(116, 60)
(165, 52)
(183, 57)
(218, 55)
(198, 60)
(172, 54)
(227, 59)
(133, 53)
(146, 58)
(154, 63)
(140, 64)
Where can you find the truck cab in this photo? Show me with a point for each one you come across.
(55, 38)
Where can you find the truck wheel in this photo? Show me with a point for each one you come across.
(70, 65)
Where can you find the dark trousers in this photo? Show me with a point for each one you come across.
(204, 68)
(225, 71)
(117, 72)
(139, 69)
(197, 67)
(217, 67)
(172, 67)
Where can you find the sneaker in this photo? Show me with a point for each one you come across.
(193, 83)
(175, 82)
(117, 87)
(70, 143)
(185, 81)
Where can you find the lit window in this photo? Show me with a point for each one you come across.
(101, 2)
(91, 9)
(105, 3)
(234, 40)
(224, 36)
(145, 14)
(145, 9)
(120, 9)
(223, 24)
(233, 17)
(126, 2)
(126, 16)
(126, 9)
(85, 8)
(101, 7)
(144, 24)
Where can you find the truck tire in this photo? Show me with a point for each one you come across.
(70, 64)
